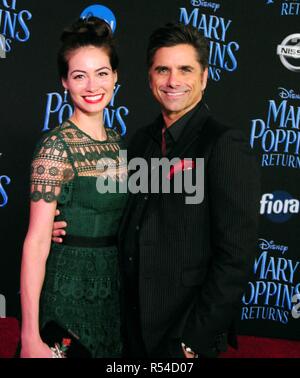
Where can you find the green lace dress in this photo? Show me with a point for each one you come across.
(81, 286)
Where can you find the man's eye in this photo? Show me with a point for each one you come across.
(186, 69)
(162, 70)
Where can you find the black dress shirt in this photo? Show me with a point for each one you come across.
(173, 132)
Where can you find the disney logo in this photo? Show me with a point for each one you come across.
(205, 4)
(270, 245)
(288, 94)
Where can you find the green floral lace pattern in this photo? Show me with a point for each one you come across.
(82, 293)
(50, 169)
(66, 152)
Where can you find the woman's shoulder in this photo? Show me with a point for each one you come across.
(67, 132)
(63, 132)
(70, 135)
(54, 140)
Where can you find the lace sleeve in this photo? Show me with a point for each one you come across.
(50, 169)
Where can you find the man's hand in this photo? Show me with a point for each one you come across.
(188, 353)
(58, 230)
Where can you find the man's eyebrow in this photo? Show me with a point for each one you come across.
(159, 67)
(181, 67)
(186, 66)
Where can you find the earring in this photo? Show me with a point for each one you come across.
(65, 95)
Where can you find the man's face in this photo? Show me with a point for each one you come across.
(177, 79)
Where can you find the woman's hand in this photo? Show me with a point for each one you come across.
(35, 349)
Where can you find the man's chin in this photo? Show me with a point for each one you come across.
(175, 109)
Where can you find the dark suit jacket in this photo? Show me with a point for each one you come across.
(194, 260)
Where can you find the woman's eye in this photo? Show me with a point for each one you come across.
(103, 73)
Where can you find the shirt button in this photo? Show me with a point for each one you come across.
(130, 258)
(134, 308)
(137, 228)
(145, 198)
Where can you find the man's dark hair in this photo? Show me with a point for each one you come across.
(173, 34)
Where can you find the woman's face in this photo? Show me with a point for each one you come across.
(90, 79)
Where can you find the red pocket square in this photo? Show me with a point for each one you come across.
(182, 165)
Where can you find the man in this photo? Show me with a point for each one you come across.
(184, 267)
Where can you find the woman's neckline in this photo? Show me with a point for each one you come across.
(87, 135)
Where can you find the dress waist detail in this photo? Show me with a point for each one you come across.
(89, 242)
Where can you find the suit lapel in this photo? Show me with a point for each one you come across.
(151, 131)
(191, 131)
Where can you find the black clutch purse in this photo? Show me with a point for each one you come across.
(63, 343)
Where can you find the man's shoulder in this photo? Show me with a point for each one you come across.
(218, 127)
(222, 130)
(229, 143)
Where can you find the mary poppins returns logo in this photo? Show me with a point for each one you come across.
(277, 133)
(13, 24)
(276, 287)
(286, 7)
(223, 51)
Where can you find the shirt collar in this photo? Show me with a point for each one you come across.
(176, 129)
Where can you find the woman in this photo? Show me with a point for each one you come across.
(76, 284)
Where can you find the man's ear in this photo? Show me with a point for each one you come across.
(149, 80)
(204, 79)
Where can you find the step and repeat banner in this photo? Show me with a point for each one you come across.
(254, 78)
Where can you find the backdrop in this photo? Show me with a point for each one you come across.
(254, 85)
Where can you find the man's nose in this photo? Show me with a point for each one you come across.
(173, 79)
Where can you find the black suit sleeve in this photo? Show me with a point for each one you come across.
(233, 190)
